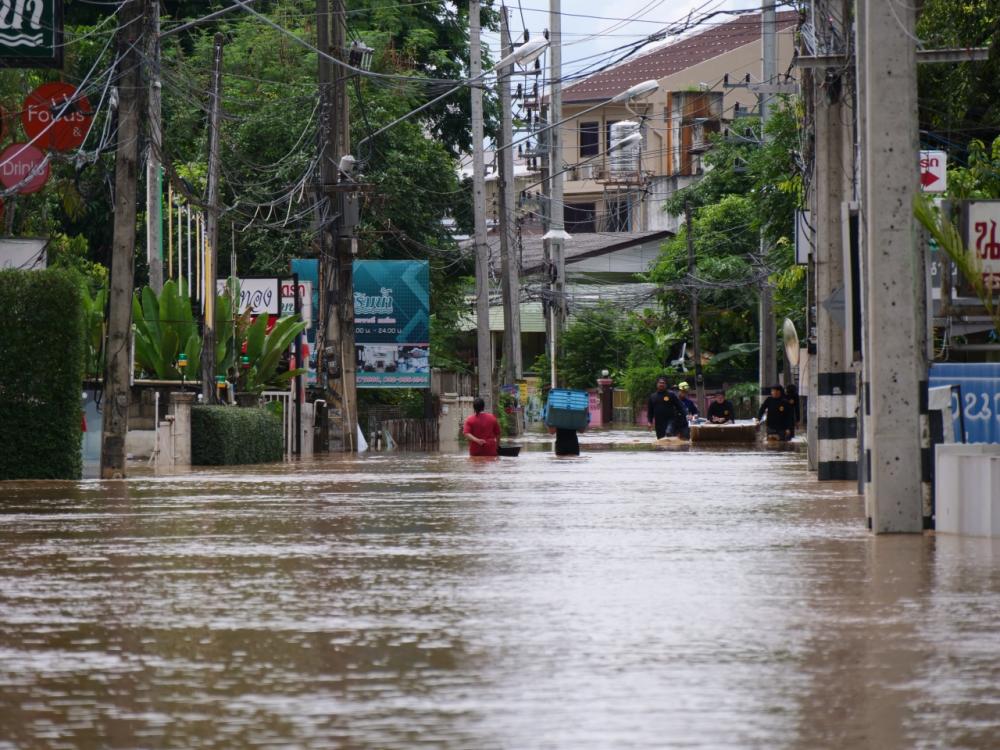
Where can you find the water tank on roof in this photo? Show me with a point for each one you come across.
(624, 160)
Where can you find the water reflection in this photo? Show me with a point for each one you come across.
(625, 598)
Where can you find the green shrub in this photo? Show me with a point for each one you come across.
(41, 374)
(226, 435)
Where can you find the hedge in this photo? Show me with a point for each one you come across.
(226, 435)
(41, 374)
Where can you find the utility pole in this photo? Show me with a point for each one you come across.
(894, 328)
(346, 245)
(699, 381)
(768, 371)
(208, 390)
(484, 346)
(557, 231)
(119, 344)
(836, 386)
(154, 173)
(328, 363)
(509, 265)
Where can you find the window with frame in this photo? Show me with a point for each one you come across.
(590, 139)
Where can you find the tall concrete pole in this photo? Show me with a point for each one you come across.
(836, 397)
(347, 201)
(484, 345)
(768, 370)
(154, 181)
(896, 359)
(208, 390)
(509, 265)
(557, 229)
(118, 364)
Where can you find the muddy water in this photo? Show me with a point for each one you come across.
(626, 598)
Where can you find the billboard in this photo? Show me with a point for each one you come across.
(31, 33)
(392, 323)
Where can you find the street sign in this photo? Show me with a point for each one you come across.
(983, 238)
(23, 166)
(31, 33)
(55, 116)
(933, 171)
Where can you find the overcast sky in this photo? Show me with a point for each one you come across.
(591, 29)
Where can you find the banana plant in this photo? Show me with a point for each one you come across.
(264, 350)
(93, 316)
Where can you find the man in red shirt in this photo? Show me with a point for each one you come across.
(482, 430)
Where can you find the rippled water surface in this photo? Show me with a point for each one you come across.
(625, 598)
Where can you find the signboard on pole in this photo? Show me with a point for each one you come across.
(262, 296)
(31, 33)
(983, 238)
(56, 116)
(392, 323)
(24, 167)
(933, 171)
(307, 269)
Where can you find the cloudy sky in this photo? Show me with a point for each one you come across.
(592, 29)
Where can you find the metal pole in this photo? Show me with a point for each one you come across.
(208, 389)
(699, 381)
(556, 227)
(509, 265)
(484, 345)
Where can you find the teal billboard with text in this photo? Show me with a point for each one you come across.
(392, 323)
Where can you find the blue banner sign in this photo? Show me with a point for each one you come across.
(980, 384)
(392, 323)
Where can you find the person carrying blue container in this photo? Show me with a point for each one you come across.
(566, 412)
(665, 412)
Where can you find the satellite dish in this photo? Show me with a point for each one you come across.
(791, 339)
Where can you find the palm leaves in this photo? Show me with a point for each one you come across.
(165, 327)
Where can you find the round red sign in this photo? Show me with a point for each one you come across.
(18, 162)
(44, 124)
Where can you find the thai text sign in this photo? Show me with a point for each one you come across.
(31, 33)
(392, 323)
(983, 238)
(260, 295)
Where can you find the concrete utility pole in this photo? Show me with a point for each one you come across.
(699, 381)
(769, 68)
(557, 230)
(895, 357)
(484, 346)
(154, 179)
(208, 390)
(836, 396)
(347, 207)
(119, 344)
(509, 264)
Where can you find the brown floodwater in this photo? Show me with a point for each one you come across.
(628, 598)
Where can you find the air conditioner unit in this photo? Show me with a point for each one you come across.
(585, 171)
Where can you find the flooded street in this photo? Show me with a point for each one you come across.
(628, 598)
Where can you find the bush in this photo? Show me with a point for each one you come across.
(41, 374)
(225, 435)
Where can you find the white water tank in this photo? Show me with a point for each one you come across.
(624, 160)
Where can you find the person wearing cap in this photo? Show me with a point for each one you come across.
(721, 410)
(664, 410)
(684, 394)
(779, 414)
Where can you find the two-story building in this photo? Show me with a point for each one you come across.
(702, 85)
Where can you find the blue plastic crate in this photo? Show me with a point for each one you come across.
(567, 409)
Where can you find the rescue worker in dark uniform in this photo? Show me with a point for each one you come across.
(721, 411)
(779, 414)
(792, 396)
(665, 412)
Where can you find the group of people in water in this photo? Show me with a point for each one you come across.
(669, 410)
